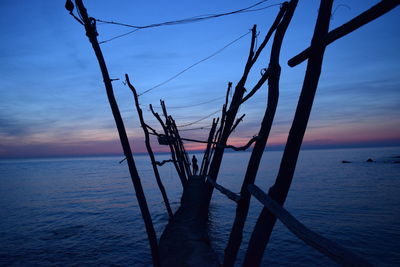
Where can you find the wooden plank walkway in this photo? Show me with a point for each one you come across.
(185, 240)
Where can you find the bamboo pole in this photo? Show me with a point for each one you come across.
(242, 208)
(149, 149)
(91, 33)
(278, 192)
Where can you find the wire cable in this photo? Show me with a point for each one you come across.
(193, 65)
(192, 19)
(119, 36)
(194, 122)
(193, 129)
(194, 105)
(182, 21)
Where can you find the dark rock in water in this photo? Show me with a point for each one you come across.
(397, 162)
(345, 161)
(396, 157)
(370, 160)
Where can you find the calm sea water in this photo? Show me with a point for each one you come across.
(82, 211)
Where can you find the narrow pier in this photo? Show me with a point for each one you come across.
(185, 240)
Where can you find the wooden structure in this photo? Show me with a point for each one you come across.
(185, 240)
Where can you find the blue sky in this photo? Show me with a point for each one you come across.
(53, 101)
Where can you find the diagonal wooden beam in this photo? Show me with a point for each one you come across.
(311, 238)
(369, 15)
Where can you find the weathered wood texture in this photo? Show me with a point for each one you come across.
(185, 240)
(318, 242)
(91, 32)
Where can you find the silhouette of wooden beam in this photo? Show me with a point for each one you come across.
(233, 196)
(91, 32)
(235, 238)
(311, 238)
(266, 220)
(369, 15)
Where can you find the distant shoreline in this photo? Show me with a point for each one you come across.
(271, 148)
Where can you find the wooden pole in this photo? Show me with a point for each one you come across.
(278, 192)
(149, 149)
(171, 147)
(91, 32)
(242, 208)
(367, 16)
(184, 155)
(174, 139)
(205, 162)
(311, 238)
(236, 101)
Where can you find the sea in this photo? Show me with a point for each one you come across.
(82, 211)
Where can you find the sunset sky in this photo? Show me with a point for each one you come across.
(53, 101)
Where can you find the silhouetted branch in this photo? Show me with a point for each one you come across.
(367, 16)
(271, 30)
(258, 85)
(227, 93)
(151, 129)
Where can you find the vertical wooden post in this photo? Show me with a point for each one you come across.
(242, 208)
(175, 142)
(181, 147)
(91, 32)
(206, 158)
(230, 118)
(149, 149)
(278, 192)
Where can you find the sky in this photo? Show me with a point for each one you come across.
(53, 101)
